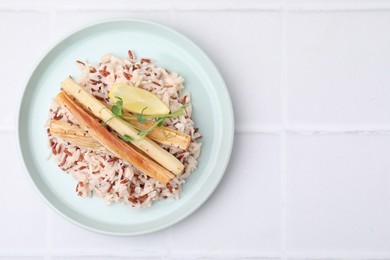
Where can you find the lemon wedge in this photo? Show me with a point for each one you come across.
(136, 99)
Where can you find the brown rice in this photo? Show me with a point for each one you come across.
(106, 176)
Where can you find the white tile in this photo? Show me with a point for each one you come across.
(69, 21)
(94, 257)
(222, 258)
(223, 5)
(337, 69)
(242, 217)
(338, 194)
(22, 213)
(22, 257)
(245, 46)
(70, 239)
(140, 5)
(25, 37)
(338, 3)
(83, 5)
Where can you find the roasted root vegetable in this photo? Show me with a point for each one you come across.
(124, 129)
(163, 135)
(111, 142)
(75, 135)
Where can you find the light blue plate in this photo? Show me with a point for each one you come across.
(213, 115)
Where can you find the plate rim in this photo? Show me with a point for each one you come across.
(228, 105)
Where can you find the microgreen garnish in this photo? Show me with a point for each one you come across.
(146, 131)
(117, 111)
(128, 138)
(140, 117)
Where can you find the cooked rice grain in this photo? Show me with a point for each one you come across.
(103, 175)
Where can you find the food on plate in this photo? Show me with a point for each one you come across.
(137, 100)
(118, 147)
(75, 135)
(124, 131)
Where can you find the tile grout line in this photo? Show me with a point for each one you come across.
(283, 133)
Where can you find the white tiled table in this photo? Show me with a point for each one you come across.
(309, 176)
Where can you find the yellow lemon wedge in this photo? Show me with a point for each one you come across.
(136, 99)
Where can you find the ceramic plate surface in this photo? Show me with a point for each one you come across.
(212, 113)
